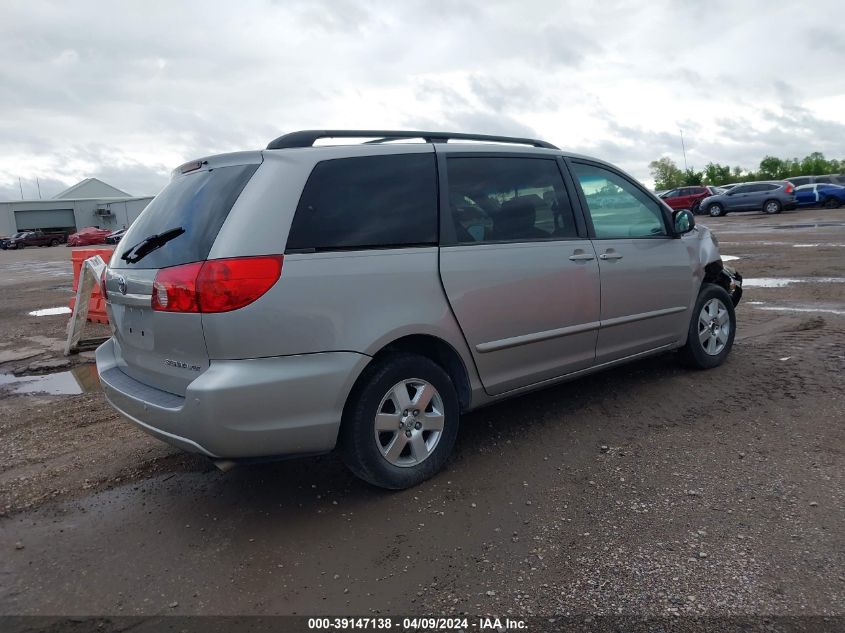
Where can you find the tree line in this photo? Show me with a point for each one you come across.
(667, 175)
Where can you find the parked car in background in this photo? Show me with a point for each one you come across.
(820, 195)
(4, 242)
(771, 196)
(35, 238)
(114, 236)
(686, 197)
(832, 179)
(88, 236)
(729, 186)
(689, 197)
(534, 266)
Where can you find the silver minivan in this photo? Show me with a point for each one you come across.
(362, 296)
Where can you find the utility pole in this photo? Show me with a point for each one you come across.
(21, 186)
(684, 150)
(37, 182)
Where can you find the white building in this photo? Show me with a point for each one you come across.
(90, 202)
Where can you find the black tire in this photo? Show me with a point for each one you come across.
(54, 242)
(696, 207)
(715, 210)
(830, 203)
(693, 354)
(772, 207)
(358, 445)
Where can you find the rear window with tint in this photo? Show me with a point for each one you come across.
(199, 203)
(367, 202)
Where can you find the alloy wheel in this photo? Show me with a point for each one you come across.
(714, 327)
(409, 422)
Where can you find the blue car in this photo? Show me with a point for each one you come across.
(820, 195)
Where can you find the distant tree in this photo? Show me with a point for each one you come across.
(716, 174)
(773, 168)
(692, 177)
(666, 173)
(814, 164)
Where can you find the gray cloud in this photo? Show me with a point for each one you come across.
(125, 92)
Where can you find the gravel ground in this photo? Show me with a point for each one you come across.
(646, 490)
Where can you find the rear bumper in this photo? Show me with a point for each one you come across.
(263, 407)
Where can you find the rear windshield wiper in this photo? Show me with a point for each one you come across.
(149, 244)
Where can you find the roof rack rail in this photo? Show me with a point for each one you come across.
(306, 138)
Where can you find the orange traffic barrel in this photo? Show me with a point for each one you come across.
(97, 306)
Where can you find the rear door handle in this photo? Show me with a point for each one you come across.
(581, 257)
(610, 255)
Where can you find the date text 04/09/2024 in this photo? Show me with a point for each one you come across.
(417, 623)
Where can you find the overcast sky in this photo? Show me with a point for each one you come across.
(125, 91)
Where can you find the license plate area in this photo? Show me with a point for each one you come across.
(135, 328)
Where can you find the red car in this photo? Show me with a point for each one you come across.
(688, 197)
(88, 236)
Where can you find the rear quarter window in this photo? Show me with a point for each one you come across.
(367, 202)
(198, 202)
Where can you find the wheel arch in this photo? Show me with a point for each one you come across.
(440, 352)
(714, 273)
(768, 200)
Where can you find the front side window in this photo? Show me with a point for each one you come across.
(505, 199)
(367, 202)
(617, 207)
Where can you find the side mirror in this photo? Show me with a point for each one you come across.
(683, 221)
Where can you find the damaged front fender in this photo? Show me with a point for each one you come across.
(715, 271)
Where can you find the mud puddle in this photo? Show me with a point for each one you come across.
(81, 379)
(802, 309)
(821, 308)
(819, 225)
(782, 282)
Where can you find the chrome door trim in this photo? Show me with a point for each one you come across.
(576, 374)
(642, 316)
(536, 337)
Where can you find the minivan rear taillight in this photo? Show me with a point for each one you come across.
(215, 285)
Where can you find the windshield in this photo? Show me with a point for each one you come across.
(198, 203)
